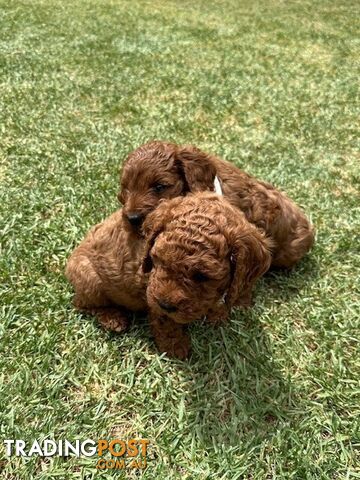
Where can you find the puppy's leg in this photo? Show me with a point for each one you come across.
(218, 315)
(170, 337)
(245, 300)
(112, 319)
(90, 296)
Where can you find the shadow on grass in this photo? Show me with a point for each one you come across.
(284, 284)
(236, 395)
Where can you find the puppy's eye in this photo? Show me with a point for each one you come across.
(200, 277)
(159, 187)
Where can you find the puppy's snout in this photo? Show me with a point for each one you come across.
(168, 307)
(135, 219)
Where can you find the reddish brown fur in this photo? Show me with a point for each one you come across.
(184, 169)
(199, 255)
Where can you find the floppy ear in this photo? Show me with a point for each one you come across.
(120, 197)
(250, 258)
(147, 263)
(196, 167)
(153, 225)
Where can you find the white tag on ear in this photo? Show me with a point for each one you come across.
(217, 186)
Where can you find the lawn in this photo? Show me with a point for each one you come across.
(272, 86)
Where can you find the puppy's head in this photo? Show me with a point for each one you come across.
(200, 252)
(159, 170)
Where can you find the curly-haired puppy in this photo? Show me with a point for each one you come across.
(159, 170)
(200, 256)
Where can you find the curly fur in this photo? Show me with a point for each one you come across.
(199, 257)
(179, 170)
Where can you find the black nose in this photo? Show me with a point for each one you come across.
(135, 219)
(167, 306)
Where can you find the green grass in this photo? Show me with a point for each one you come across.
(269, 85)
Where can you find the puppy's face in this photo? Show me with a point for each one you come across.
(200, 252)
(149, 174)
(160, 170)
(189, 275)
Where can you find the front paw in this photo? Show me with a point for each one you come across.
(175, 347)
(170, 337)
(113, 320)
(180, 350)
(218, 315)
(245, 301)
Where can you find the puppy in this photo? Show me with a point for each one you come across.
(105, 271)
(204, 257)
(160, 170)
(199, 257)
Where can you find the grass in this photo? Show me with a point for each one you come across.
(269, 85)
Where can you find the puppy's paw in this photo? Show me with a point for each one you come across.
(245, 301)
(177, 349)
(218, 315)
(174, 344)
(113, 320)
(182, 350)
(170, 337)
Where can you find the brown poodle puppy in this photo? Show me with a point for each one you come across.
(200, 257)
(105, 271)
(159, 170)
